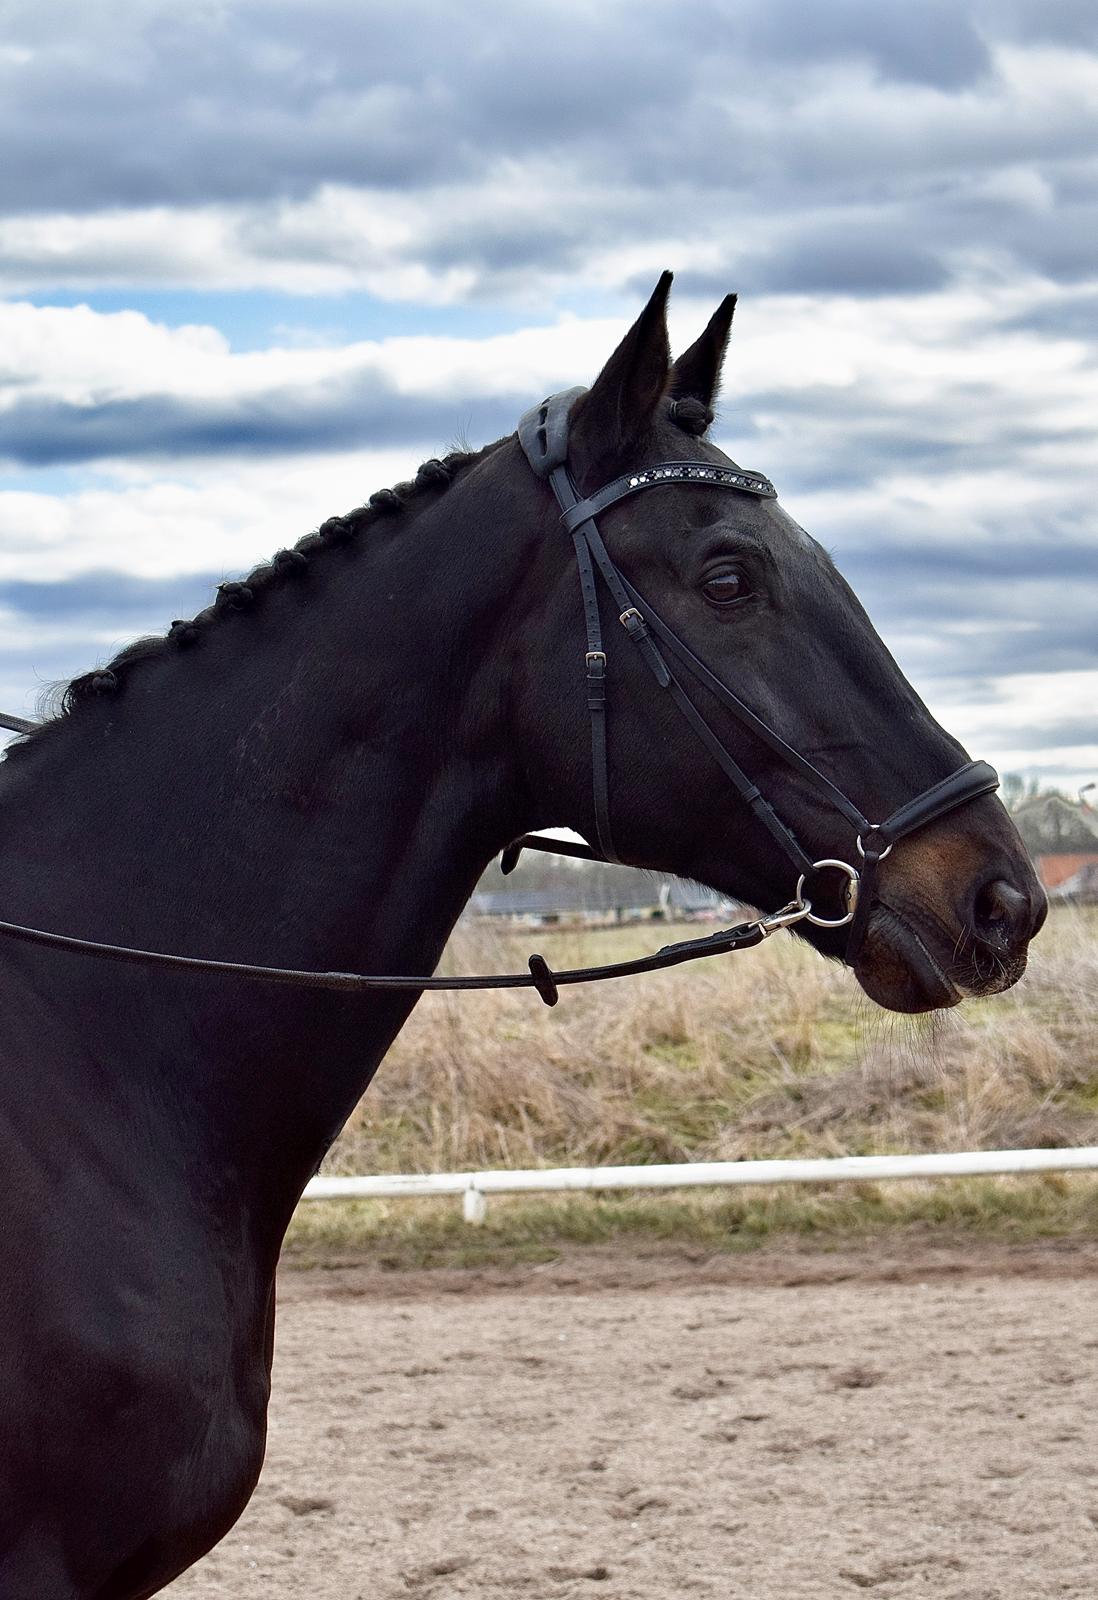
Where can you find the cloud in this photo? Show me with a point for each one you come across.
(1068, 22)
(835, 392)
(907, 199)
(50, 632)
(282, 421)
(1076, 318)
(936, 44)
(940, 446)
(157, 522)
(80, 386)
(102, 598)
(1042, 722)
(858, 259)
(267, 101)
(481, 152)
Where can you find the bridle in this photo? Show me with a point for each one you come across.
(543, 435)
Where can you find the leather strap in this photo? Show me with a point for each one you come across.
(748, 791)
(701, 474)
(629, 617)
(594, 662)
(635, 615)
(863, 906)
(967, 783)
(750, 719)
(540, 976)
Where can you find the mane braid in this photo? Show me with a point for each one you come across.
(432, 479)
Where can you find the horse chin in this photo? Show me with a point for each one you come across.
(899, 969)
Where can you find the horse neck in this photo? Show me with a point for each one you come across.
(317, 784)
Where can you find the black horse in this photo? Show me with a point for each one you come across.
(313, 773)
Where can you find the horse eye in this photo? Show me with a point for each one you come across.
(723, 588)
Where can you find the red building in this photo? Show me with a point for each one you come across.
(1061, 835)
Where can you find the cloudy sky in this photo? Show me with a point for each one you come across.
(260, 257)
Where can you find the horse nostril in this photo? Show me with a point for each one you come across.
(1002, 914)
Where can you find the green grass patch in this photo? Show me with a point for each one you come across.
(524, 1229)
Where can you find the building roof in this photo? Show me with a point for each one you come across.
(1052, 825)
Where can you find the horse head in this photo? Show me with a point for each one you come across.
(775, 673)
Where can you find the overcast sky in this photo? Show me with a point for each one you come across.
(259, 259)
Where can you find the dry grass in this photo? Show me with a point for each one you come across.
(771, 1052)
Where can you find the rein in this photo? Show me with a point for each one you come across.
(539, 977)
(543, 434)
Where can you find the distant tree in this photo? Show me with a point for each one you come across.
(1016, 790)
(1013, 789)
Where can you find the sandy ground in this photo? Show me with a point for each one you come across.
(909, 1421)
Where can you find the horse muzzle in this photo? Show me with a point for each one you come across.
(953, 918)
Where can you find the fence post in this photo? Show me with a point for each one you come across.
(474, 1205)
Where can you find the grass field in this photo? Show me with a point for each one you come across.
(771, 1052)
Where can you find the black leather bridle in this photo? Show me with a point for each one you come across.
(543, 434)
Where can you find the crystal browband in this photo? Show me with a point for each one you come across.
(701, 472)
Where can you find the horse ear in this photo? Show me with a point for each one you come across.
(622, 401)
(697, 373)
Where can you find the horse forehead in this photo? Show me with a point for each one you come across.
(793, 530)
(677, 446)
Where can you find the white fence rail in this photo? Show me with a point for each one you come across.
(475, 1187)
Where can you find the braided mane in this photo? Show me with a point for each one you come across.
(432, 478)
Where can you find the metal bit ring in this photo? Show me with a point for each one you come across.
(851, 894)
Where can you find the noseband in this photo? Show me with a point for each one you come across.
(543, 434)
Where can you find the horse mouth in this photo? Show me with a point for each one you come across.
(899, 969)
(904, 969)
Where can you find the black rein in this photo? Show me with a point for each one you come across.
(539, 977)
